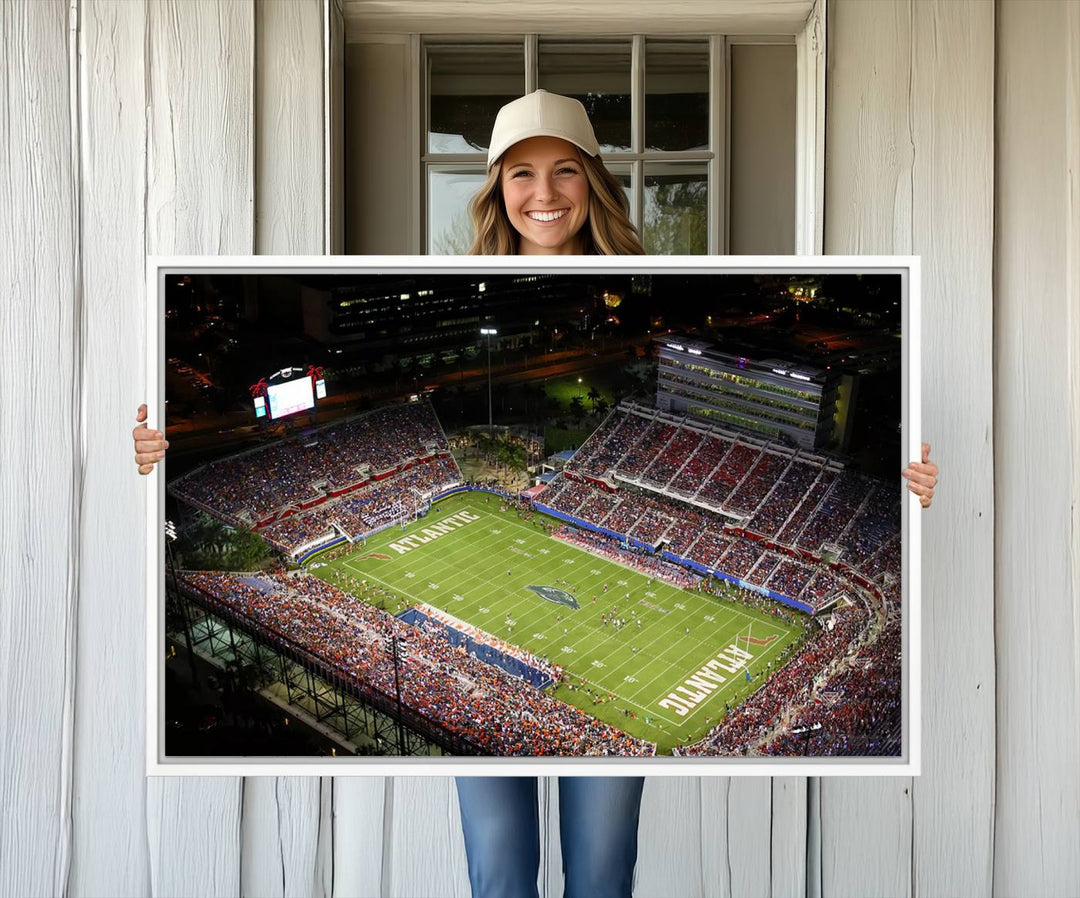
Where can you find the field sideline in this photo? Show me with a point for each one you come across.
(480, 569)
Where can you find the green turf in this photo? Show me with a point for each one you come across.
(481, 570)
(564, 389)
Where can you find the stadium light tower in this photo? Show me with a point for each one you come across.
(172, 535)
(489, 332)
(397, 691)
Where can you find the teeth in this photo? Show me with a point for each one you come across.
(547, 216)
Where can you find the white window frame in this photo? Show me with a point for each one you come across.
(809, 126)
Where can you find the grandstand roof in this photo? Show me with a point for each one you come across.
(743, 357)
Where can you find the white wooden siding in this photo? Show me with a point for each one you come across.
(199, 197)
(1036, 374)
(41, 453)
(108, 820)
(953, 132)
(909, 169)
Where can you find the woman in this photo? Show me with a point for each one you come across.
(548, 193)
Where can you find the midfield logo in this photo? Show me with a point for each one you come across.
(556, 596)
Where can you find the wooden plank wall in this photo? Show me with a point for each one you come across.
(180, 127)
(909, 169)
(1037, 453)
(110, 662)
(41, 452)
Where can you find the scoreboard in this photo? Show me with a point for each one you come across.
(289, 391)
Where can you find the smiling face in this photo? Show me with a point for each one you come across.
(546, 195)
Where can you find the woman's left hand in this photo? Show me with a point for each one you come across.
(922, 477)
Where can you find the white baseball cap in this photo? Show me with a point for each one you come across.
(541, 114)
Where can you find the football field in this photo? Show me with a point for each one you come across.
(665, 676)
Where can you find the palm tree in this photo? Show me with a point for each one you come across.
(577, 408)
(502, 455)
(594, 396)
(518, 458)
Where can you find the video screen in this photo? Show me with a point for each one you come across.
(290, 397)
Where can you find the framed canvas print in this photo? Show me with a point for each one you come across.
(592, 515)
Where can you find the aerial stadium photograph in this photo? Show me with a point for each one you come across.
(533, 515)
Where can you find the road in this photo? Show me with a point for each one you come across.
(234, 428)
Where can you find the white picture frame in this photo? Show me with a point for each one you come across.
(907, 764)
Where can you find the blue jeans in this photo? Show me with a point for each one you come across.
(598, 821)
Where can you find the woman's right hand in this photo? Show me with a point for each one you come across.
(150, 445)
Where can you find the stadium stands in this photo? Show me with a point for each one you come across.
(478, 701)
(764, 515)
(257, 486)
(748, 724)
(368, 509)
(347, 479)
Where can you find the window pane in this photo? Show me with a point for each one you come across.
(449, 191)
(676, 95)
(676, 208)
(623, 175)
(597, 74)
(466, 87)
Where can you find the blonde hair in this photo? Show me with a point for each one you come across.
(607, 231)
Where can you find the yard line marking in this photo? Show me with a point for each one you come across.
(530, 614)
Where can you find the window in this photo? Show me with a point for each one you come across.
(658, 105)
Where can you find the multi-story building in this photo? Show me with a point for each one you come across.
(778, 399)
(426, 319)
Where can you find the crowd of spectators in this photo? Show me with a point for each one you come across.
(790, 577)
(796, 498)
(709, 547)
(729, 472)
(885, 560)
(608, 443)
(759, 480)
(796, 520)
(568, 495)
(788, 687)
(499, 713)
(682, 445)
(390, 462)
(644, 452)
(640, 559)
(767, 563)
(693, 533)
(789, 491)
(651, 526)
(370, 508)
(685, 530)
(700, 465)
(859, 711)
(876, 521)
(259, 484)
(823, 586)
(740, 558)
(835, 511)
